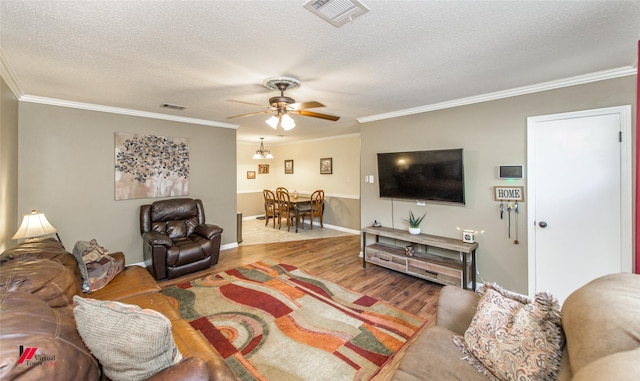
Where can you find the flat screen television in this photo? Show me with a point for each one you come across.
(436, 175)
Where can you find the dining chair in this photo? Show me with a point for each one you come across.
(270, 207)
(316, 208)
(285, 210)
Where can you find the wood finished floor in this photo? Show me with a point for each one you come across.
(336, 259)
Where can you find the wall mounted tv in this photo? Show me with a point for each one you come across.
(436, 175)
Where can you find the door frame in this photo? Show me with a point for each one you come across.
(626, 184)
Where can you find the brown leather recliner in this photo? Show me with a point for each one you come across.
(177, 240)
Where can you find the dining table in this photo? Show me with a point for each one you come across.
(297, 203)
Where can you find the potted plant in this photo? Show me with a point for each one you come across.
(414, 223)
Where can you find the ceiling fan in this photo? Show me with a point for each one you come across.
(282, 106)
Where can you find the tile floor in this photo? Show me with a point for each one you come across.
(254, 232)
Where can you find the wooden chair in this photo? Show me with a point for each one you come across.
(316, 209)
(270, 207)
(285, 210)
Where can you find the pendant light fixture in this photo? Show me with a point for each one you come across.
(263, 153)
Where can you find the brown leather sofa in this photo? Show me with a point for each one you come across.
(37, 283)
(600, 321)
(176, 239)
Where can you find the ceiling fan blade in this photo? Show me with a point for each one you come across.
(247, 103)
(302, 105)
(317, 115)
(250, 114)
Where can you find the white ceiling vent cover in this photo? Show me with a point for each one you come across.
(337, 12)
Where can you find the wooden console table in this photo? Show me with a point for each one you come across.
(423, 264)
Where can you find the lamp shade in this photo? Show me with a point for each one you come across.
(273, 121)
(34, 224)
(287, 122)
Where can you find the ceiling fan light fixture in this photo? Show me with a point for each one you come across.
(273, 122)
(287, 122)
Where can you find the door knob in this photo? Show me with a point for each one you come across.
(542, 224)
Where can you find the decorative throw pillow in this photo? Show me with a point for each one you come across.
(131, 343)
(514, 338)
(97, 267)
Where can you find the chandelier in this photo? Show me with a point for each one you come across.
(262, 153)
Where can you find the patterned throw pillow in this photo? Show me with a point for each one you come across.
(131, 343)
(514, 338)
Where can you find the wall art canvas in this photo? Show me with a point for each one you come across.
(150, 166)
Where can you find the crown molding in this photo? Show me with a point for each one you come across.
(544, 86)
(8, 76)
(324, 138)
(122, 111)
(332, 137)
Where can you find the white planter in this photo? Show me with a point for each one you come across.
(414, 230)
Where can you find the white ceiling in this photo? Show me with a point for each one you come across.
(401, 55)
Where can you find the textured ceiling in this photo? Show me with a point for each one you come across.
(400, 55)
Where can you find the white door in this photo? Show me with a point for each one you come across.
(579, 198)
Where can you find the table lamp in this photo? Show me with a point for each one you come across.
(34, 225)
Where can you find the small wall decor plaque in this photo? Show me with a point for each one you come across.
(263, 169)
(508, 193)
(251, 175)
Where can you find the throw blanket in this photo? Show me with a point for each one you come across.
(96, 265)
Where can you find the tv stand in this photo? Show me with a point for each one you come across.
(431, 266)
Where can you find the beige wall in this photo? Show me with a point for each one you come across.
(66, 166)
(491, 133)
(342, 187)
(8, 166)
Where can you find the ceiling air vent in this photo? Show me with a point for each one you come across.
(337, 12)
(173, 107)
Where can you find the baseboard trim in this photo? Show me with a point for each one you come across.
(228, 246)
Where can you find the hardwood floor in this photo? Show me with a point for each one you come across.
(336, 259)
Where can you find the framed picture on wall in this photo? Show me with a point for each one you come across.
(150, 166)
(288, 167)
(251, 175)
(326, 166)
(263, 169)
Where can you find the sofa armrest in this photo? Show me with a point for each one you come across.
(208, 231)
(155, 239)
(456, 308)
(190, 369)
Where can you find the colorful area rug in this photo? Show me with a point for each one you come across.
(272, 321)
